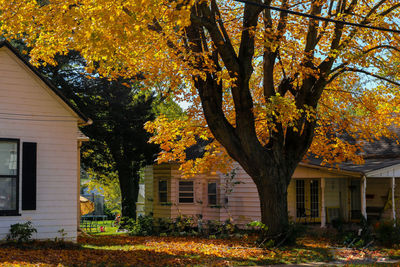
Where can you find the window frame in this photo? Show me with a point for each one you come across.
(159, 192)
(314, 198)
(216, 193)
(179, 191)
(300, 197)
(14, 212)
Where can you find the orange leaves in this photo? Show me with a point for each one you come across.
(149, 251)
(178, 251)
(126, 37)
(176, 136)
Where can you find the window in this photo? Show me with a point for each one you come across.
(307, 198)
(186, 194)
(9, 176)
(314, 194)
(212, 193)
(300, 199)
(163, 191)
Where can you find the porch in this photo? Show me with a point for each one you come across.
(321, 200)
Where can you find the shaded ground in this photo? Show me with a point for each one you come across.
(179, 251)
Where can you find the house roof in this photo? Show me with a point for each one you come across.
(378, 154)
(83, 117)
(370, 164)
(82, 136)
(197, 150)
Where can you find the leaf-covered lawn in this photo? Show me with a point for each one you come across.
(174, 251)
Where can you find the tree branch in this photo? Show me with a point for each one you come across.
(373, 75)
(224, 46)
(381, 46)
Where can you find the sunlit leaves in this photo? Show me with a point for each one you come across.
(124, 38)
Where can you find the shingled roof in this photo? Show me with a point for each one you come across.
(378, 154)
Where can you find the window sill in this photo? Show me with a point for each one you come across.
(214, 206)
(9, 213)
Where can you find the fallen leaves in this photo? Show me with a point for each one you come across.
(173, 251)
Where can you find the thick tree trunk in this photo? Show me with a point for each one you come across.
(129, 185)
(272, 191)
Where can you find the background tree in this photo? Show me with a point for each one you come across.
(119, 145)
(269, 83)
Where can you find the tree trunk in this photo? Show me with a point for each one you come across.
(129, 184)
(272, 191)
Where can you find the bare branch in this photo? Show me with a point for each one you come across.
(380, 47)
(373, 75)
(390, 9)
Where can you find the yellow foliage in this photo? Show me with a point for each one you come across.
(126, 37)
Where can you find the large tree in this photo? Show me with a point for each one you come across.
(269, 83)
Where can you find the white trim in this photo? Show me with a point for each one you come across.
(393, 198)
(387, 172)
(323, 214)
(363, 198)
(331, 170)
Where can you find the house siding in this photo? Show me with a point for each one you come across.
(148, 190)
(162, 171)
(378, 191)
(240, 201)
(31, 112)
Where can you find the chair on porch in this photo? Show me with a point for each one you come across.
(305, 216)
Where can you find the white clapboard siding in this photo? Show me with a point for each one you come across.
(31, 112)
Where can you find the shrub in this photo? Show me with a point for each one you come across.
(180, 226)
(294, 230)
(387, 233)
(21, 232)
(142, 226)
(338, 224)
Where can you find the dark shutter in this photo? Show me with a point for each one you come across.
(29, 176)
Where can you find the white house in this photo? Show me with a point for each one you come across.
(39, 151)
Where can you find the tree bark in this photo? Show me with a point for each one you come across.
(272, 187)
(129, 185)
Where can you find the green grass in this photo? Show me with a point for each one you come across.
(109, 228)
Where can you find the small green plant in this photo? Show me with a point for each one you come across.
(21, 232)
(62, 234)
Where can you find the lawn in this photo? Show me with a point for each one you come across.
(107, 226)
(122, 250)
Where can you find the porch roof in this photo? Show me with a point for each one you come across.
(370, 164)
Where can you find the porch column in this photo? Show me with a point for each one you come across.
(323, 215)
(363, 199)
(393, 199)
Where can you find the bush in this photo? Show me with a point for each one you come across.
(180, 226)
(142, 226)
(338, 224)
(21, 232)
(293, 231)
(387, 233)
